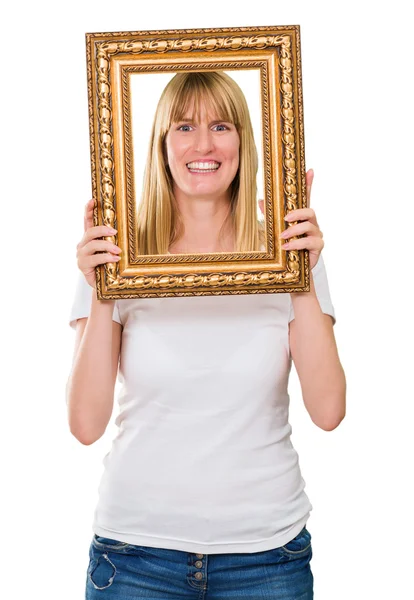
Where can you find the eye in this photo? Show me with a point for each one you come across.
(221, 127)
(184, 128)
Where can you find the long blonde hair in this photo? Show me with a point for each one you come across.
(159, 221)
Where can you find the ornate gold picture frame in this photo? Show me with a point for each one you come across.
(118, 68)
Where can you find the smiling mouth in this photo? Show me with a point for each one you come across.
(203, 167)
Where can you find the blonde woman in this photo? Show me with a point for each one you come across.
(202, 495)
(231, 188)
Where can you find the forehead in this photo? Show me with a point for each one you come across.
(200, 108)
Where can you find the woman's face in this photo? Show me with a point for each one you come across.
(203, 156)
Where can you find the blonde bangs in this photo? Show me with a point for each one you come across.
(196, 91)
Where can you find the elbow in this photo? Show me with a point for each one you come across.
(87, 417)
(86, 430)
(83, 438)
(329, 422)
(86, 442)
(330, 413)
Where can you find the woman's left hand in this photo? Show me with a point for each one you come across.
(308, 224)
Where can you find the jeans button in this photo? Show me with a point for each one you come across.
(199, 555)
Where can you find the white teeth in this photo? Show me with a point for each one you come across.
(204, 166)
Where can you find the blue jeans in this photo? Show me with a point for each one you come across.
(120, 571)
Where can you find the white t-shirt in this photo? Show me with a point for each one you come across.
(203, 461)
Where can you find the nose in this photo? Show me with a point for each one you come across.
(204, 141)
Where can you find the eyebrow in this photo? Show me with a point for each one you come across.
(189, 120)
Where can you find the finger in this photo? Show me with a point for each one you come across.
(97, 259)
(88, 214)
(300, 228)
(302, 214)
(308, 242)
(96, 232)
(98, 246)
(309, 180)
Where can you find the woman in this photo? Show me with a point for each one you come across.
(230, 188)
(202, 495)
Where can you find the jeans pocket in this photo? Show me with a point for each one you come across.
(108, 544)
(300, 544)
(101, 572)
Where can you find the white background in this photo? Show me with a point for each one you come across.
(357, 66)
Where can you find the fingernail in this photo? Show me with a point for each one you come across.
(112, 230)
(288, 217)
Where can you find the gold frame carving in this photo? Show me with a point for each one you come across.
(111, 58)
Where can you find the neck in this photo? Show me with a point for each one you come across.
(203, 218)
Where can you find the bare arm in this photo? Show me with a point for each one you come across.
(91, 384)
(311, 337)
(314, 352)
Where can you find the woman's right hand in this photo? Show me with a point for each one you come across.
(86, 257)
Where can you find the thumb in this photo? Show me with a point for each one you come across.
(88, 215)
(309, 180)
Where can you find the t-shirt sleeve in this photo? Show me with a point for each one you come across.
(320, 281)
(82, 301)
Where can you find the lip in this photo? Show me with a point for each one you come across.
(204, 160)
(205, 163)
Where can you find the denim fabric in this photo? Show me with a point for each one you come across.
(121, 571)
